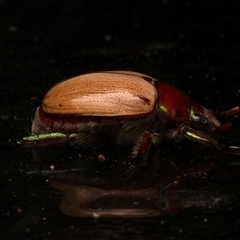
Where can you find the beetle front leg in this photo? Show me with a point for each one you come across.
(194, 135)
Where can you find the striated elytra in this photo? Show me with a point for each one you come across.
(101, 94)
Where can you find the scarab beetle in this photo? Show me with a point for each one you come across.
(121, 107)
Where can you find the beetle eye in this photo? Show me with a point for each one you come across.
(198, 118)
(195, 118)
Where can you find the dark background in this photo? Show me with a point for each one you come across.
(193, 45)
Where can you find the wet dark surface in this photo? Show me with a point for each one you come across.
(182, 192)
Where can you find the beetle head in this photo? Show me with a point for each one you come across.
(201, 117)
(180, 107)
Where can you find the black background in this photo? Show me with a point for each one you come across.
(193, 45)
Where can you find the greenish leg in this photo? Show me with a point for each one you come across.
(49, 139)
(200, 137)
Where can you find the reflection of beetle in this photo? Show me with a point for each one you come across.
(121, 107)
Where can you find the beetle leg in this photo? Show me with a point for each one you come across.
(198, 136)
(144, 143)
(187, 132)
(44, 139)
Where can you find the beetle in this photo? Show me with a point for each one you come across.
(121, 108)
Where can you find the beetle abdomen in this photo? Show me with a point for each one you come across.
(102, 94)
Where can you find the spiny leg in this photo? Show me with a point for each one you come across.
(194, 135)
(183, 131)
(144, 143)
(199, 136)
